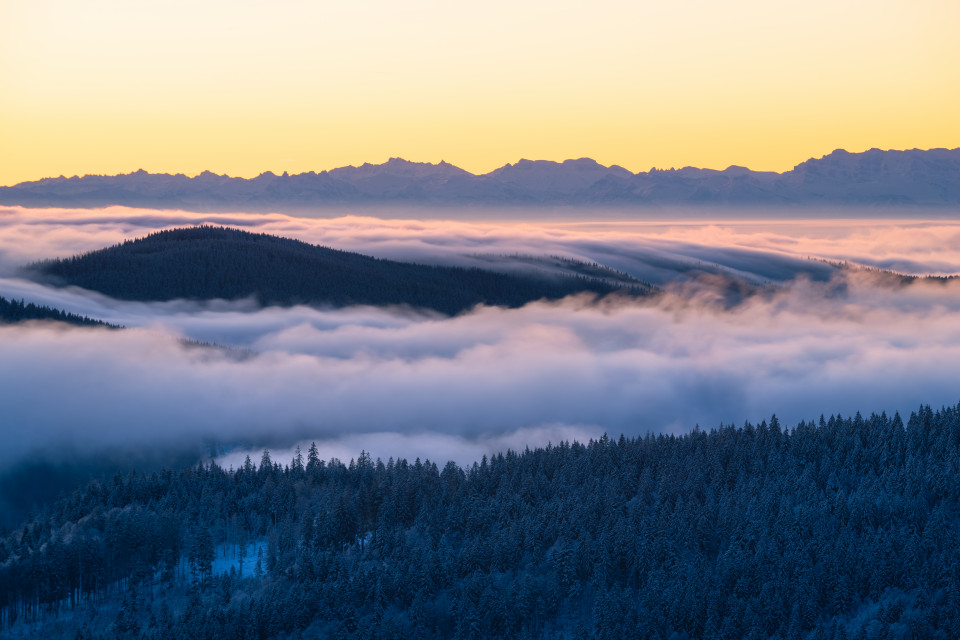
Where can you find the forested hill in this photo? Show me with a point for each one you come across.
(21, 311)
(215, 262)
(847, 528)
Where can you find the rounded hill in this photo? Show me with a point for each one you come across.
(208, 262)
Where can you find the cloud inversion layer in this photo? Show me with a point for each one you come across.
(453, 387)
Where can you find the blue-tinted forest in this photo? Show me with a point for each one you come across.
(845, 528)
(22, 311)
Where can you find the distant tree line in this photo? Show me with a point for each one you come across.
(843, 528)
(208, 262)
(20, 311)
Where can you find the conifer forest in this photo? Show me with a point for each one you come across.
(842, 528)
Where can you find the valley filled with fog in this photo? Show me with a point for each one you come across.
(752, 317)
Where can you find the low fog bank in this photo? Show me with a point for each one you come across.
(454, 387)
(436, 447)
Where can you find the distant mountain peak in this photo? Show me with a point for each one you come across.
(398, 167)
(583, 163)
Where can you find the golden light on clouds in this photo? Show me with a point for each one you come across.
(242, 87)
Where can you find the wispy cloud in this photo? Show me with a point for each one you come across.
(766, 248)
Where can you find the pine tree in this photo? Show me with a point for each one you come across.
(313, 458)
(296, 465)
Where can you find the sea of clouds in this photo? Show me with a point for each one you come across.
(403, 383)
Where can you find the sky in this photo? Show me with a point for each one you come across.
(245, 86)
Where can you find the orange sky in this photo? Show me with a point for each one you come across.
(241, 87)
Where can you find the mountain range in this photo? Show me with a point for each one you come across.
(875, 177)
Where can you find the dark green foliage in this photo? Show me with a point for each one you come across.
(847, 529)
(21, 311)
(215, 262)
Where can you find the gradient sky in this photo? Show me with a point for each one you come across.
(245, 86)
